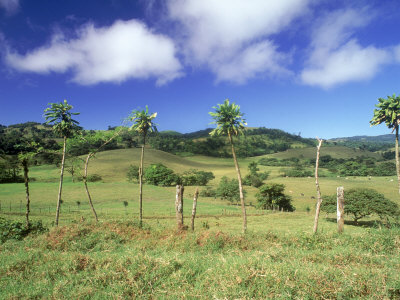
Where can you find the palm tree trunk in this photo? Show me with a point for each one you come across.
(141, 184)
(240, 185)
(317, 210)
(86, 186)
(61, 181)
(26, 180)
(397, 156)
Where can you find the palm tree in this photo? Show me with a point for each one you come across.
(142, 124)
(229, 121)
(59, 115)
(388, 112)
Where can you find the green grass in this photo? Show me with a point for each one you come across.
(278, 258)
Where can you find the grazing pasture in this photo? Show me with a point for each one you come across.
(278, 257)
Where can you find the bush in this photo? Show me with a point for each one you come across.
(208, 192)
(297, 171)
(91, 178)
(272, 195)
(252, 180)
(229, 189)
(362, 202)
(158, 174)
(133, 173)
(17, 230)
(196, 177)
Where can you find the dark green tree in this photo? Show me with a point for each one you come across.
(60, 116)
(272, 195)
(388, 111)
(229, 121)
(142, 124)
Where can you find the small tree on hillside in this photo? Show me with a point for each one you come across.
(229, 121)
(142, 124)
(59, 115)
(388, 112)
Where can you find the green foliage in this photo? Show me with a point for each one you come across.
(142, 121)
(17, 231)
(254, 178)
(228, 189)
(387, 111)
(60, 116)
(158, 174)
(362, 202)
(196, 177)
(133, 173)
(228, 118)
(297, 171)
(208, 192)
(91, 178)
(272, 195)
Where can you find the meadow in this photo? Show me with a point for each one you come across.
(279, 257)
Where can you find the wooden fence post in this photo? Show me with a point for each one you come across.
(340, 209)
(319, 197)
(196, 194)
(179, 206)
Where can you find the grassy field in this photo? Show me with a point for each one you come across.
(278, 258)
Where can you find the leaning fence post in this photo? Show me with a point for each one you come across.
(340, 209)
(179, 206)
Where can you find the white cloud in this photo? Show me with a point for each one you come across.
(336, 57)
(10, 6)
(224, 34)
(107, 54)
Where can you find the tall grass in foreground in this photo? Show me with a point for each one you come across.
(119, 260)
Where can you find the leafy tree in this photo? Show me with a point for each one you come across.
(142, 124)
(158, 174)
(228, 189)
(208, 192)
(362, 202)
(254, 178)
(59, 115)
(229, 121)
(388, 111)
(133, 173)
(272, 195)
(196, 177)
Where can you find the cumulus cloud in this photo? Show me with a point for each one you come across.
(233, 37)
(127, 49)
(10, 6)
(336, 57)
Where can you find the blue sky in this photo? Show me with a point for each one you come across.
(303, 66)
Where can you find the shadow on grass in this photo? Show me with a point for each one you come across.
(366, 224)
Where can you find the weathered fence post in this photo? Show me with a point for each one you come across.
(179, 206)
(196, 194)
(340, 209)
(319, 198)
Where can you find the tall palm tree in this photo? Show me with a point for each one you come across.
(142, 124)
(388, 112)
(59, 115)
(229, 121)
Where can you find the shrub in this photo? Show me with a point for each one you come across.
(17, 230)
(208, 192)
(196, 177)
(133, 173)
(91, 178)
(297, 171)
(272, 195)
(229, 189)
(158, 174)
(362, 202)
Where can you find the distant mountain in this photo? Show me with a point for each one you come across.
(385, 138)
